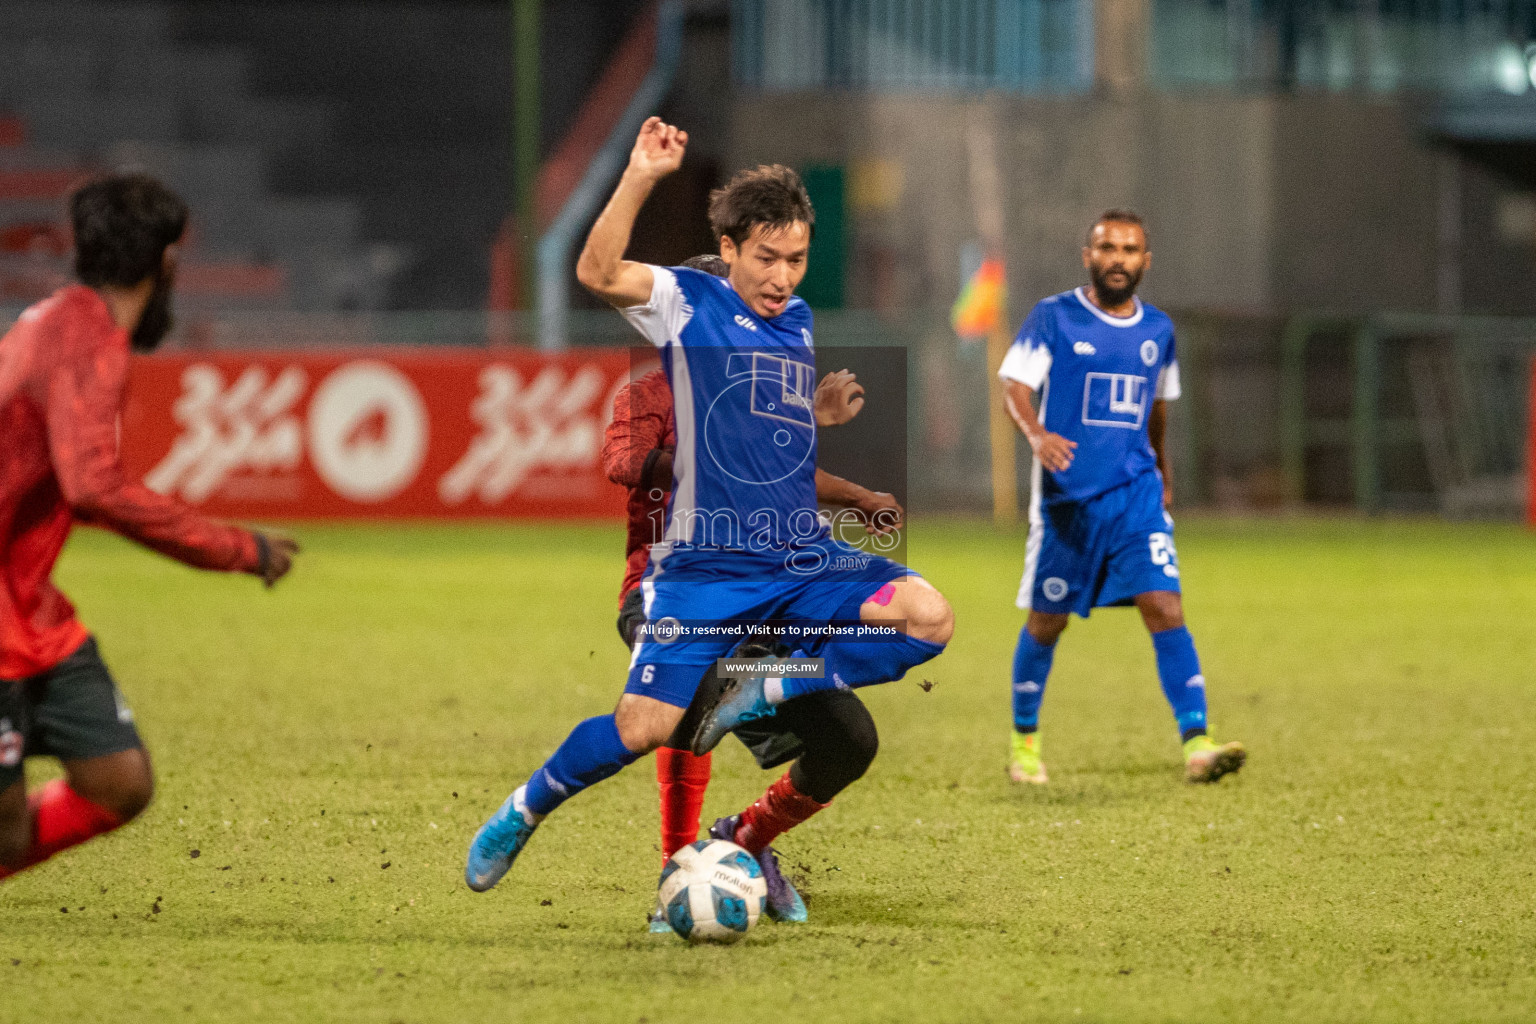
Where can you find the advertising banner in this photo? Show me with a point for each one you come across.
(274, 435)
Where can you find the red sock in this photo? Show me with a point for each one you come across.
(772, 814)
(61, 818)
(682, 779)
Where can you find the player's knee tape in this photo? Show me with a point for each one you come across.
(1178, 668)
(1031, 668)
(591, 753)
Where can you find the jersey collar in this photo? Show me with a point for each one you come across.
(1113, 321)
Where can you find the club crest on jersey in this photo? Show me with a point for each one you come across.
(1114, 400)
(1149, 352)
(1084, 348)
(743, 321)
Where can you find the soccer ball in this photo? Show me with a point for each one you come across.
(712, 891)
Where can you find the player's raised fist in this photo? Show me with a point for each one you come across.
(658, 149)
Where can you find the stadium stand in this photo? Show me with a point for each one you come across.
(91, 85)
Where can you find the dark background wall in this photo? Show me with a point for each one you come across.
(424, 126)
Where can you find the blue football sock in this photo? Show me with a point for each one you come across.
(591, 753)
(855, 663)
(1178, 666)
(1031, 668)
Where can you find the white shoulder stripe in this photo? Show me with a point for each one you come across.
(661, 320)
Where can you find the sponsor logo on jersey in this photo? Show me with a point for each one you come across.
(1054, 588)
(744, 322)
(1149, 352)
(1084, 348)
(1114, 400)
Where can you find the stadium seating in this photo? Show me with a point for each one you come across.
(90, 85)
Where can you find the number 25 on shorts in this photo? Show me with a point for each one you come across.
(1160, 545)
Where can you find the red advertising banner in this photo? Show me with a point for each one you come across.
(272, 435)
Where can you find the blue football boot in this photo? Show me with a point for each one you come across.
(784, 903)
(496, 846)
(740, 701)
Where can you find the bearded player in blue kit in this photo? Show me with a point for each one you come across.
(1104, 366)
(743, 542)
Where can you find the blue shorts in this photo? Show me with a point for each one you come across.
(697, 590)
(1104, 551)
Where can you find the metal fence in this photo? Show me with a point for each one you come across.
(913, 45)
(1376, 46)
(1408, 412)
(1047, 46)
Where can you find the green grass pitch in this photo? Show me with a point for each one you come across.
(326, 750)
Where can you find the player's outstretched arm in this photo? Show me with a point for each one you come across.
(602, 268)
(1053, 450)
(839, 397)
(84, 399)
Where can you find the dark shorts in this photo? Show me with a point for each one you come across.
(631, 616)
(771, 742)
(73, 711)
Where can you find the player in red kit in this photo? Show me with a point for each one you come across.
(833, 728)
(63, 371)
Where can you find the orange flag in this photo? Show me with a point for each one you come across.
(979, 309)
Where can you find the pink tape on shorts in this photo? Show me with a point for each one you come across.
(882, 596)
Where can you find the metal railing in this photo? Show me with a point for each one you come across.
(1047, 46)
(913, 45)
(1374, 46)
(1425, 411)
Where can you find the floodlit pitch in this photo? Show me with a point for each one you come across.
(318, 752)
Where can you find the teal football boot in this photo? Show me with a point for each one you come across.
(497, 845)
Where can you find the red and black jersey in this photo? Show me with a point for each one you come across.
(63, 372)
(642, 425)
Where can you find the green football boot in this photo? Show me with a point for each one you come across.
(1024, 764)
(1206, 761)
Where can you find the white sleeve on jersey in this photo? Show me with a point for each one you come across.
(1028, 362)
(663, 318)
(1168, 382)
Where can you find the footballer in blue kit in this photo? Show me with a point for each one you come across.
(744, 544)
(1103, 365)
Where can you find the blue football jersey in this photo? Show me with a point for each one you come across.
(1097, 376)
(743, 389)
